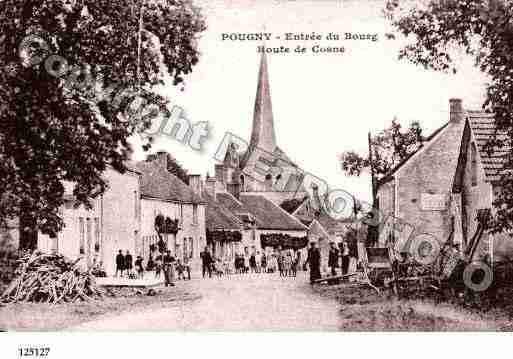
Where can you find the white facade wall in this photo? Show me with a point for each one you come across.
(97, 234)
(192, 227)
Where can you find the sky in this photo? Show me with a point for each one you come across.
(323, 104)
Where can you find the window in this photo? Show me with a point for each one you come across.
(81, 228)
(195, 213)
(181, 213)
(191, 247)
(473, 164)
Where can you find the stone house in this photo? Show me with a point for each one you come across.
(224, 228)
(164, 193)
(440, 189)
(257, 219)
(98, 233)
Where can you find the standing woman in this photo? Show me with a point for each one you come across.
(274, 263)
(169, 262)
(246, 262)
(314, 262)
(280, 261)
(264, 262)
(295, 263)
(237, 263)
(345, 258)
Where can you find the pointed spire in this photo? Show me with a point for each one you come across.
(262, 135)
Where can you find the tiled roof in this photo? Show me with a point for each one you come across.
(235, 206)
(157, 182)
(483, 128)
(292, 205)
(331, 225)
(219, 217)
(230, 202)
(267, 215)
(334, 225)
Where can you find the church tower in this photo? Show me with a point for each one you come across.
(243, 170)
(263, 135)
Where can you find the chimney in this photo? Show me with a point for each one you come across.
(160, 157)
(195, 184)
(455, 110)
(210, 187)
(234, 189)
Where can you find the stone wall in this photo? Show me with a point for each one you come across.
(430, 174)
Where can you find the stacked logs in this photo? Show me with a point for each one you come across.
(50, 278)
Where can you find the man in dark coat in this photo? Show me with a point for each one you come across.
(168, 263)
(333, 258)
(314, 262)
(128, 263)
(120, 263)
(206, 262)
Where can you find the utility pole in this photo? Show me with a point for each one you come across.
(372, 232)
(373, 175)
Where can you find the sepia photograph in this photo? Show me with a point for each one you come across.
(255, 166)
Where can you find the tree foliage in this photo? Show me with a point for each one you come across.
(165, 225)
(389, 148)
(72, 126)
(484, 30)
(175, 168)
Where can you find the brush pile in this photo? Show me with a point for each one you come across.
(50, 278)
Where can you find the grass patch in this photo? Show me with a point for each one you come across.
(362, 309)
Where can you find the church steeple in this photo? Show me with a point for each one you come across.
(262, 135)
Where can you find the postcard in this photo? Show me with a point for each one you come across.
(255, 166)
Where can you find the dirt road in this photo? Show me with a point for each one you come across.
(247, 302)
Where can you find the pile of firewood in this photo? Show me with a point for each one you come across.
(50, 278)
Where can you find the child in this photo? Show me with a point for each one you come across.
(180, 269)
(287, 264)
(218, 267)
(187, 267)
(158, 266)
(139, 267)
(151, 264)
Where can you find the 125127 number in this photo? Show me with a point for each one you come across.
(33, 351)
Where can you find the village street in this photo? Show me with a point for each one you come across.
(248, 302)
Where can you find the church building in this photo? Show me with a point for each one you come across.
(251, 192)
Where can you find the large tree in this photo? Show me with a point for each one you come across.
(68, 123)
(484, 30)
(388, 148)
